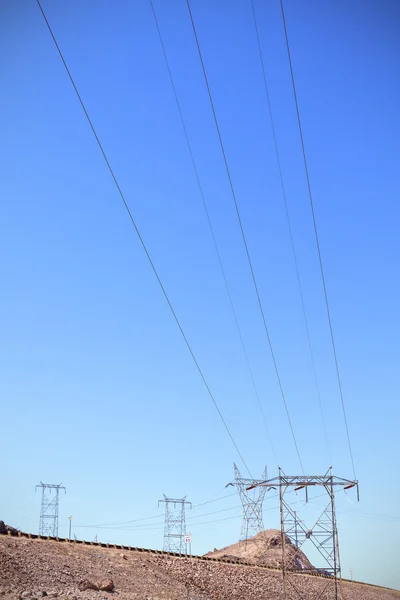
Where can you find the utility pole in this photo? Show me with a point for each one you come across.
(175, 524)
(70, 521)
(48, 523)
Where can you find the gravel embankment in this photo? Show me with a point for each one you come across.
(32, 569)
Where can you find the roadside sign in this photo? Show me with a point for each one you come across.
(188, 538)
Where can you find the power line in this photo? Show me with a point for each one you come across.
(153, 526)
(140, 527)
(373, 516)
(316, 236)
(157, 516)
(227, 518)
(195, 507)
(290, 226)
(243, 234)
(127, 524)
(224, 277)
(141, 240)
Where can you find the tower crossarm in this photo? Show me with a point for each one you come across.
(302, 481)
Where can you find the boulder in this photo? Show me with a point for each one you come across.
(107, 585)
(11, 530)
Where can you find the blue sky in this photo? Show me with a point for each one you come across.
(98, 389)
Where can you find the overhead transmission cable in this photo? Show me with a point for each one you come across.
(158, 525)
(288, 219)
(202, 376)
(131, 524)
(150, 528)
(156, 516)
(221, 266)
(140, 527)
(244, 236)
(317, 238)
(178, 510)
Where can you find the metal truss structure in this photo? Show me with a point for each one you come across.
(175, 524)
(48, 523)
(323, 535)
(252, 502)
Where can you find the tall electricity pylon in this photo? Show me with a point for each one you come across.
(48, 524)
(323, 535)
(175, 524)
(252, 503)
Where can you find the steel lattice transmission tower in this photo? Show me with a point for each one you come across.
(48, 524)
(175, 524)
(252, 502)
(323, 535)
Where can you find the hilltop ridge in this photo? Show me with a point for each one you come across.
(265, 548)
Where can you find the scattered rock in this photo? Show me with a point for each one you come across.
(107, 585)
(26, 594)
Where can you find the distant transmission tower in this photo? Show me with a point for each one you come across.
(48, 524)
(252, 503)
(175, 524)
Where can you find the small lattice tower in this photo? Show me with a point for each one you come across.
(48, 523)
(175, 524)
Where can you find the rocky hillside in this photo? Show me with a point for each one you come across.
(32, 569)
(266, 548)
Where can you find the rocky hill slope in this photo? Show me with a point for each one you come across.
(32, 569)
(266, 548)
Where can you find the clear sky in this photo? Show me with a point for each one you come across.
(97, 387)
